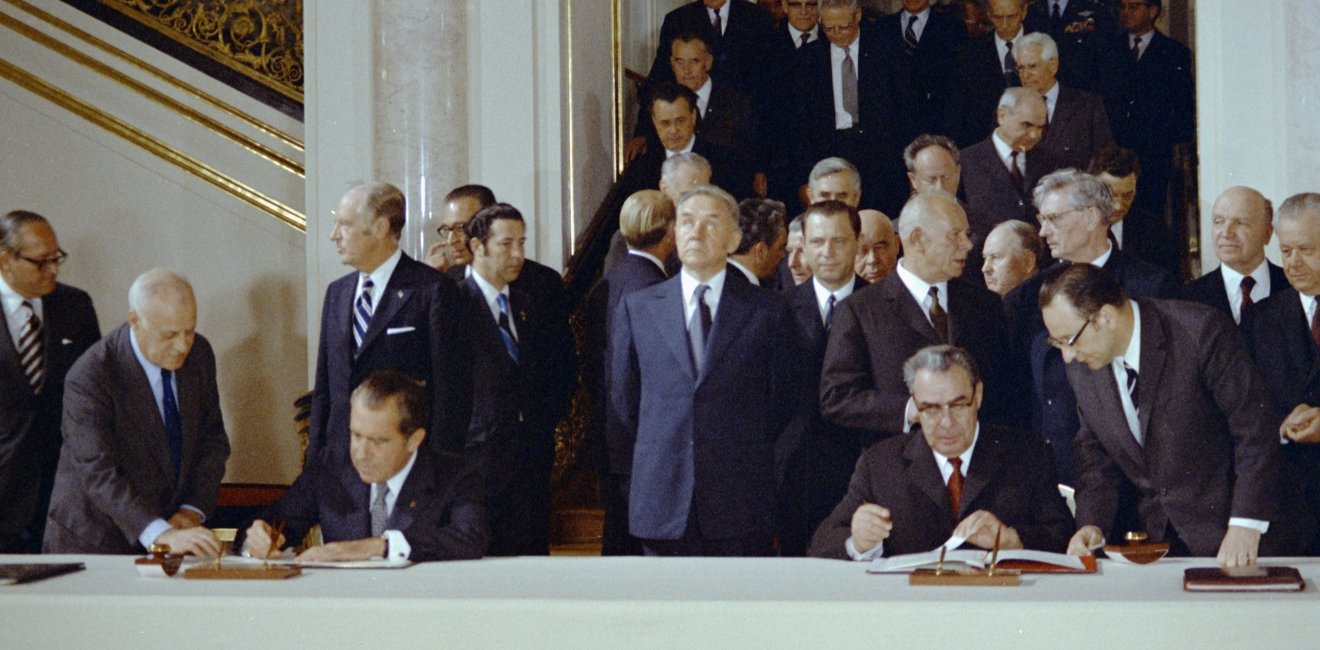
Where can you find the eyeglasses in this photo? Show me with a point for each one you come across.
(1056, 343)
(1053, 219)
(451, 229)
(956, 409)
(60, 258)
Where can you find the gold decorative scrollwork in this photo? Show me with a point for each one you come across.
(260, 39)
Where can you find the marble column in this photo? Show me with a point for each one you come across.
(421, 118)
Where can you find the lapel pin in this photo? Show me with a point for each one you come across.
(399, 294)
(412, 505)
(66, 342)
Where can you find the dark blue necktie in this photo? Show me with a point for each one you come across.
(506, 332)
(173, 423)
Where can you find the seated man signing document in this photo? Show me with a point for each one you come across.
(955, 477)
(398, 500)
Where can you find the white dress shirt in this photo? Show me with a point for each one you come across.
(703, 97)
(1145, 42)
(797, 35)
(1233, 286)
(15, 315)
(920, 290)
(689, 284)
(399, 549)
(686, 148)
(918, 27)
(842, 119)
(1051, 99)
(380, 277)
(1001, 47)
(823, 295)
(1006, 154)
(723, 11)
(491, 294)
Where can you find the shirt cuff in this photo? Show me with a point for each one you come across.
(1254, 524)
(153, 530)
(875, 551)
(200, 515)
(398, 546)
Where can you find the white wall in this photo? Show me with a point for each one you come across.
(119, 210)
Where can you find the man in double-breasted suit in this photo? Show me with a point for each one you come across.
(49, 325)
(1168, 399)
(922, 303)
(391, 312)
(399, 500)
(144, 442)
(703, 369)
(957, 477)
(523, 383)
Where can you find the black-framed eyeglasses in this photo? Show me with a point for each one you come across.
(1071, 341)
(60, 258)
(452, 229)
(955, 409)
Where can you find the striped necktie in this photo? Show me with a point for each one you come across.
(362, 314)
(31, 354)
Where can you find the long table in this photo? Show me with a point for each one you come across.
(566, 602)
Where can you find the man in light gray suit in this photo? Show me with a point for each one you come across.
(144, 442)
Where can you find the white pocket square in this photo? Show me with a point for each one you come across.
(399, 330)
(66, 342)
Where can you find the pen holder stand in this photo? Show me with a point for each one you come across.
(160, 564)
(965, 578)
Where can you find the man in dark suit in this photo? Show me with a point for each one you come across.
(144, 442)
(1284, 335)
(800, 28)
(922, 303)
(674, 115)
(1075, 211)
(1082, 29)
(741, 42)
(959, 477)
(398, 501)
(391, 312)
(726, 115)
(1139, 233)
(1151, 101)
(1078, 126)
(930, 41)
(1169, 401)
(523, 384)
(48, 326)
(814, 457)
(647, 224)
(703, 371)
(852, 100)
(1240, 229)
(983, 69)
(999, 172)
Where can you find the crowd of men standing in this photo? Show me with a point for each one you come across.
(828, 381)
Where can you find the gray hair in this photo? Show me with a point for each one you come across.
(795, 226)
(916, 213)
(939, 358)
(13, 223)
(1027, 237)
(731, 204)
(1085, 191)
(850, 5)
(1297, 205)
(1014, 96)
(159, 285)
(924, 142)
(831, 166)
(1049, 51)
(672, 164)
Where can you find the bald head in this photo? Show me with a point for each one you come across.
(933, 228)
(1240, 228)
(877, 246)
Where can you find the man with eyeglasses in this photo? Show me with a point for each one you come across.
(1075, 211)
(1078, 125)
(49, 325)
(958, 478)
(852, 100)
(1169, 402)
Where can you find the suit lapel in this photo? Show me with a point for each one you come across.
(357, 517)
(985, 462)
(924, 474)
(957, 303)
(1063, 112)
(153, 439)
(190, 414)
(398, 291)
(733, 312)
(901, 299)
(14, 376)
(1153, 358)
(666, 312)
(419, 481)
(519, 302)
(1105, 389)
